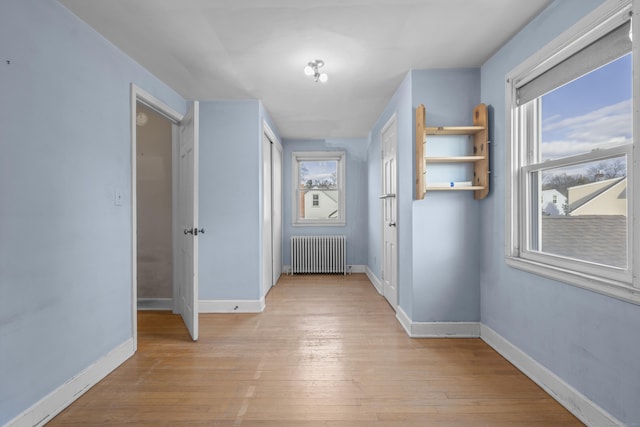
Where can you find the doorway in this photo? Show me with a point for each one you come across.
(183, 224)
(154, 190)
(389, 144)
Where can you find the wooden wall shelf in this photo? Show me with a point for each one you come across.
(480, 158)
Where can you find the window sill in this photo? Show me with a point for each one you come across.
(610, 288)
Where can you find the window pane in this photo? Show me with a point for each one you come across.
(318, 189)
(581, 212)
(592, 112)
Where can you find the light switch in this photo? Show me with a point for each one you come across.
(117, 198)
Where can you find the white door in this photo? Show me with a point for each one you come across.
(267, 229)
(389, 213)
(272, 211)
(188, 221)
(276, 209)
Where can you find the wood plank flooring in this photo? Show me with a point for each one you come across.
(327, 351)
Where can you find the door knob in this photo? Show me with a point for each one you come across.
(193, 231)
(392, 224)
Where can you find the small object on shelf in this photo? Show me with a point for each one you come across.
(451, 184)
(479, 159)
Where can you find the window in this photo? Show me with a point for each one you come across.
(570, 157)
(318, 188)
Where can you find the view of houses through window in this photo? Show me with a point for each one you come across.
(585, 125)
(318, 189)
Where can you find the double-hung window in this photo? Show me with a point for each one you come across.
(318, 188)
(570, 188)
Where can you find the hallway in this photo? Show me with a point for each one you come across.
(327, 351)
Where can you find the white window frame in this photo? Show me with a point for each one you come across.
(618, 283)
(318, 156)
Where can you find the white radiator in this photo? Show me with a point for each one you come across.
(318, 254)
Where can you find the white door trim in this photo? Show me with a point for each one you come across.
(391, 122)
(140, 95)
(276, 210)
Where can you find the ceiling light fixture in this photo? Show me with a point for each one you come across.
(312, 70)
(141, 119)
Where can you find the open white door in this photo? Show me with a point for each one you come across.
(188, 221)
(389, 213)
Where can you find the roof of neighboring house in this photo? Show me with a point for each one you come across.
(597, 238)
(329, 192)
(553, 190)
(584, 200)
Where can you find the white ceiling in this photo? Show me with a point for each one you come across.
(239, 49)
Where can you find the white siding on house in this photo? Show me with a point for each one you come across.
(553, 202)
(599, 199)
(326, 206)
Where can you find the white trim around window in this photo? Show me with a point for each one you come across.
(621, 283)
(336, 215)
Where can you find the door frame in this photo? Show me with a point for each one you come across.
(393, 121)
(140, 95)
(276, 148)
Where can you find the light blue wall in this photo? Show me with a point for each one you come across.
(356, 196)
(588, 340)
(400, 105)
(437, 237)
(446, 281)
(65, 248)
(230, 200)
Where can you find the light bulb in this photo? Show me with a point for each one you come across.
(323, 77)
(141, 119)
(308, 70)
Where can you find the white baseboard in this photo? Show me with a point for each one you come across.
(403, 319)
(231, 306)
(437, 329)
(155, 304)
(374, 280)
(357, 268)
(52, 404)
(574, 401)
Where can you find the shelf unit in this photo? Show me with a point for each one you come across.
(479, 159)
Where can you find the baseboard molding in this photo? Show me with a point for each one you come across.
(357, 268)
(404, 320)
(374, 280)
(437, 329)
(52, 404)
(155, 304)
(575, 402)
(231, 306)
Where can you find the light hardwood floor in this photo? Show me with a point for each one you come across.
(327, 351)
